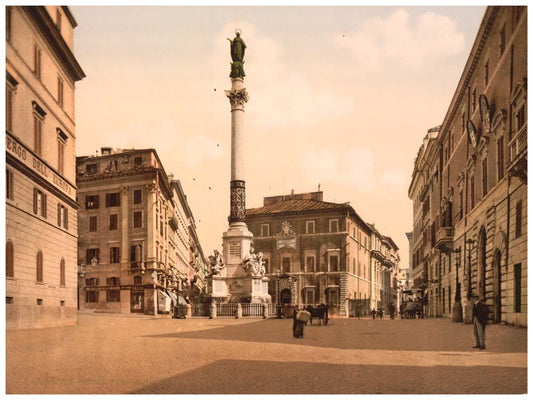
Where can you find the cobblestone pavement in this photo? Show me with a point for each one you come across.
(142, 354)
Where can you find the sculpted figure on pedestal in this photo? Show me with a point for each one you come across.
(237, 47)
(216, 264)
(254, 264)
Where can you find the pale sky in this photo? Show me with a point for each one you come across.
(340, 96)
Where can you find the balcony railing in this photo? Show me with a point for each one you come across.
(444, 239)
(518, 145)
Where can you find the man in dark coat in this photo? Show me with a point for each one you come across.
(481, 317)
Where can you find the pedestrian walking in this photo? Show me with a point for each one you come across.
(380, 313)
(373, 312)
(481, 317)
(392, 310)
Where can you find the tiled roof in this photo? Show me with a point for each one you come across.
(295, 206)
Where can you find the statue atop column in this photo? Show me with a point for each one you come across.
(237, 47)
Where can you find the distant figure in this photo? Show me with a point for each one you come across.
(297, 325)
(481, 317)
(373, 312)
(380, 313)
(392, 310)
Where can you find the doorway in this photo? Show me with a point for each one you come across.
(137, 302)
(285, 296)
(497, 286)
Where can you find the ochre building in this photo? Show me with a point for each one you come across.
(41, 209)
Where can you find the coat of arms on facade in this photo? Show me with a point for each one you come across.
(286, 229)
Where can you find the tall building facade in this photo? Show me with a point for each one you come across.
(469, 184)
(314, 252)
(134, 234)
(41, 208)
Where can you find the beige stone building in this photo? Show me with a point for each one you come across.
(41, 210)
(316, 252)
(134, 223)
(469, 185)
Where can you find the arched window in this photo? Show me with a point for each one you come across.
(39, 271)
(62, 272)
(10, 260)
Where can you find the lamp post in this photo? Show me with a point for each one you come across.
(457, 315)
(469, 309)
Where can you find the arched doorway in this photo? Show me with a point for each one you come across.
(482, 262)
(285, 296)
(497, 286)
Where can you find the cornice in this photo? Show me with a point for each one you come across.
(51, 35)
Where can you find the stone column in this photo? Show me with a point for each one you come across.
(238, 96)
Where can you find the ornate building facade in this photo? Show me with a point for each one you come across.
(41, 208)
(469, 184)
(314, 252)
(134, 228)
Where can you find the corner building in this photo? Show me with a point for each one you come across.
(469, 185)
(134, 227)
(314, 252)
(41, 208)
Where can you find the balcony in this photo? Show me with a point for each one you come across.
(518, 155)
(444, 239)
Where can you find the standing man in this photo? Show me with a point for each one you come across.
(481, 317)
(392, 310)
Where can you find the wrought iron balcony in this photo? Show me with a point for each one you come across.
(518, 154)
(444, 239)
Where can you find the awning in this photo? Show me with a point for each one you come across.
(172, 297)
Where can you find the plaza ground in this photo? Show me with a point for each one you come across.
(111, 354)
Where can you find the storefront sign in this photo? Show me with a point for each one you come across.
(19, 151)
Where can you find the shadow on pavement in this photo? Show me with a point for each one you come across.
(407, 335)
(265, 377)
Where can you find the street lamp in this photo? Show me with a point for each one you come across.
(457, 312)
(469, 244)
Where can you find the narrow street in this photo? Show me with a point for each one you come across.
(109, 354)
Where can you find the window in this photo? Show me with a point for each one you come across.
(39, 267)
(500, 155)
(487, 72)
(137, 219)
(333, 225)
(114, 255)
(92, 256)
(521, 117)
(37, 133)
(93, 223)
(138, 162)
(58, 20)
(265, 230)
(91, 168)
(91, 202)
(10, 190)
(113, 295)
(60, 96)
(10, 260)
(39, 302)
(9, 300)
(518, 229)
(517, 288)
(286, 264)
(8, 24)
(39, 202)
(11, 86)
(112, 199)
(113, 222)
(91, 296)
(62, 303)
(37, 61)
(309, 226)
(310, 263)
(62, 278)
(472, 192)
(310, 296)
(333, 263)
(60, 156)
(461, 205)
(62, 216)
(137, 196)
(502, 41)
(135, 256)
(485, 184)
